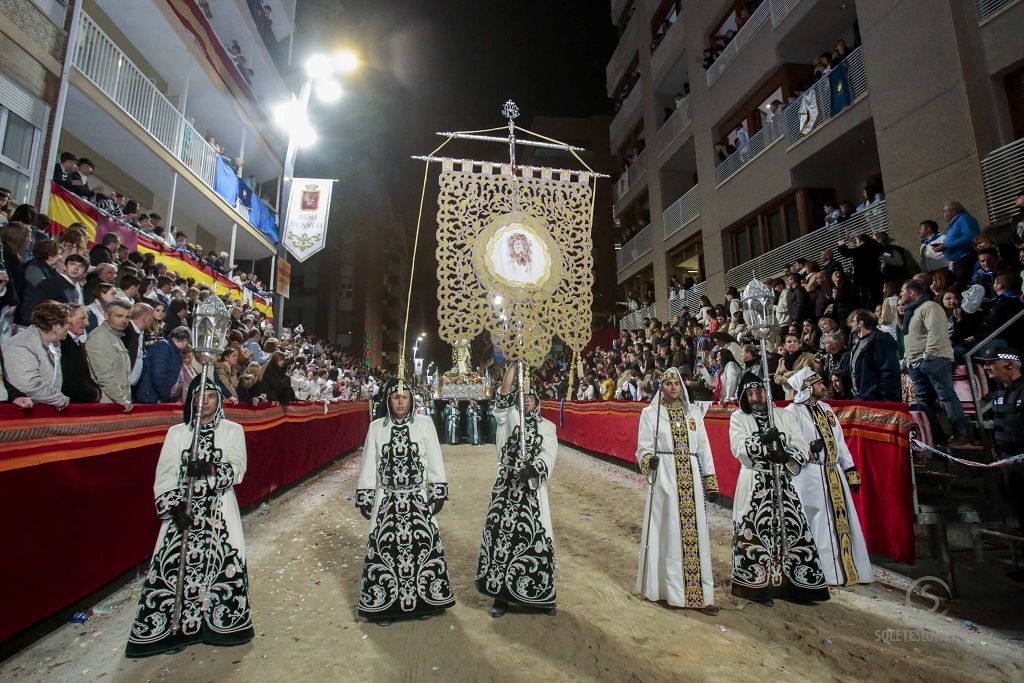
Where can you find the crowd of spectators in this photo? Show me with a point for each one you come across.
(720, 41)
(890, 325)
(106, 324)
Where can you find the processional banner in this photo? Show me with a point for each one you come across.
(309, 205)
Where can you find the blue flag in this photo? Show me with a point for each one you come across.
(225, 181)
(839, 84)
(244, 193)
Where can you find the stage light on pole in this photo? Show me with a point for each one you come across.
(318, 67)
(346, 61)
(302, 133)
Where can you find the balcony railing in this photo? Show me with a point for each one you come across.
(798, 119)
(630, 177)
(758, 19)
(690, 299)
(759, 142)
(781, 9)
(1002, 174)
(988, 8)
(639, 245)
(683, 211)
(771, 263)
(623, 122)
(675, 125)
(634, 320)
(103, 63)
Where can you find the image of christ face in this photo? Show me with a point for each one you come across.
(519, 249)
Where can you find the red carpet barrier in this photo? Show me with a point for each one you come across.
(877, 434)
(76, 489)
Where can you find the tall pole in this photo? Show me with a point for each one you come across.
(289, 171)
(62, 100)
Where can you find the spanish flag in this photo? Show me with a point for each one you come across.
(66, 208)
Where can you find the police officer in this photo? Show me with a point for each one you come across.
(1003, 366)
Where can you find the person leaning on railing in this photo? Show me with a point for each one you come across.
(32, 357)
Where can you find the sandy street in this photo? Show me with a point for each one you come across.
(305, 558)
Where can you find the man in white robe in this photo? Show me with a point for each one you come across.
(517, 564)
(675, 558)
(215, 605)
(825, 483)
(402, 486)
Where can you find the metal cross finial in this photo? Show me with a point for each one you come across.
(510, 111)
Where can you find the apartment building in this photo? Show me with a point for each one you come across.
(162, 95)
(926, 105)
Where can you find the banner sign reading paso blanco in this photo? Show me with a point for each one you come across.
(305, 230)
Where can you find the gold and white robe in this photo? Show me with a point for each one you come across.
(824, 489)
(678, 565)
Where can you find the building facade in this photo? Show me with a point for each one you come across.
(161, 95)
(731, 144)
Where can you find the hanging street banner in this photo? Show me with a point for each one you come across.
(284, 277)
(305, 230)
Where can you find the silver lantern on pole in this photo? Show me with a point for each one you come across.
(209, 339)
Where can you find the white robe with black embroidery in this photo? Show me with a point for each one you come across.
(517, 551)
(405, 572)
(215, 608)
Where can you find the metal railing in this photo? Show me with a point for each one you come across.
(623, 55)
(634, 320)
(99, 59)
(683, 211)
(759, 142)
(771, 263)
(987, 8)
(781, 9)
(1002, 174)
(758, 19)
(630, 177)
(798, 120)
(690, 299)
(675, 125)
(639, 245)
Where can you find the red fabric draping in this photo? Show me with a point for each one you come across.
(76, 490)
(877, 434)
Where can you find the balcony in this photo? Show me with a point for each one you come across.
(781, 8)
(683, 211)
(690, 299)
(759, 143)
(1002, 174)
(635, 320)
(626, 118)
(630, 179)
(637, 247)
(624, 54)
(797, 121)
(989, 8)
(668, 50)
(103, 64)
(758, 19)
(771, 263)
(674, 126)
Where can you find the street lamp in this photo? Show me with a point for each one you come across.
(292, 117)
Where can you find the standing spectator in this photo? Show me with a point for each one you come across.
(275, 382)
(13, 239)
(1005, 304)
(32, 357)
(103, 294)
(931, 258)
(835, 361)
(66, 287)
(78, 384)
(984, 274)
(961, 229)
(866, 276)
(799, 304)
(45, 255)
(162, 367)
(894, 261)
(80, 180)
(105, 273)
(103, 251)
(929, 356)
(829, 264)
(64, 170)
(874, 361)
(134, 338)
(108, 357)
(792, 360)
(871, 197)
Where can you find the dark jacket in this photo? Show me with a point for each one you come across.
(866, 268)
(160, 370)
(276, 384)
(54, 288)
(1000, 310)
(800, 305)
(100, 254)
(875, 368)
(15, 277)
(78, 384)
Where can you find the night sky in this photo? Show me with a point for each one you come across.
(441, 65)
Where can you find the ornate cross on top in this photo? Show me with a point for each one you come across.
(510, 111)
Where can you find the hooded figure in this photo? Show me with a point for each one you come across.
(402, 486)
(517, 553)
(774, 554)
(675, 562)
(825, 485)
(215, 605)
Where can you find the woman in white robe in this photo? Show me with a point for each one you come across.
(215, 605)
(402, 486)
(677, 561)
(517, 563)
(824, 485)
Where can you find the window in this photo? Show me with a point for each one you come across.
(19, 144)
(773, 227)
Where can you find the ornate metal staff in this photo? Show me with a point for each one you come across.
(209, 338)
(759, 304)
(650, 499)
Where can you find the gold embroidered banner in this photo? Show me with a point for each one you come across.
(514, 257)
